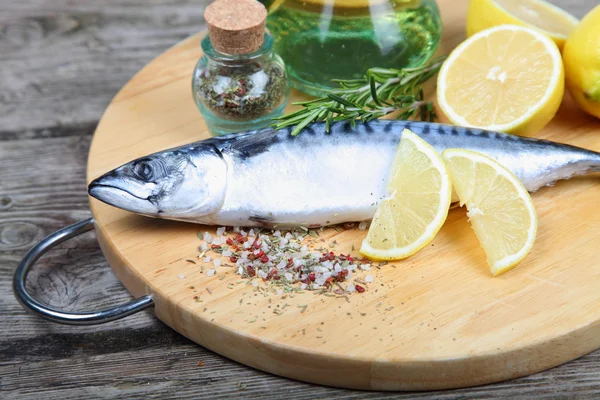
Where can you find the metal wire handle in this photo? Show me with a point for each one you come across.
(61, 317)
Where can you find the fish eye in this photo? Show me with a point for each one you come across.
(144, 170)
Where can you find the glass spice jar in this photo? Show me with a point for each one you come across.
(243, 91)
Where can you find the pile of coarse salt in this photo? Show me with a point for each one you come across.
(281, 258)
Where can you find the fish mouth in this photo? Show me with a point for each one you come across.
(94, 187)
(119, 197)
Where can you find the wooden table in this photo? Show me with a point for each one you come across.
(60, 64)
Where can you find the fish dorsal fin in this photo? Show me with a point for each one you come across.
(247, 144)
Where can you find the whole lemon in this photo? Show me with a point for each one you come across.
(581, 57)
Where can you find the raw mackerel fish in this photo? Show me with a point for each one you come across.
(270, 178)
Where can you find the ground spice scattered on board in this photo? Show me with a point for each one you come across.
(283, 259)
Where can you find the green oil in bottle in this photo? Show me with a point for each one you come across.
(322, 40)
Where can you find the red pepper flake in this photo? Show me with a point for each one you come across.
(260, 254)
(229, 241)
(359, 288)
(195, 297)
(264, 259)
(251, 270)
(200, 364)
(341, 276)
(256, 245)
(233, 259)
(215, 246)
(311, 277)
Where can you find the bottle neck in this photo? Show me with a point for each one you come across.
(263, 52)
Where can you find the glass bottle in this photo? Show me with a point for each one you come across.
(243, 91)
(322, 40)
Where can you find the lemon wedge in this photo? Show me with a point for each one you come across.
(417, 205)
(499, 207)
(508, 78)
(546, 18)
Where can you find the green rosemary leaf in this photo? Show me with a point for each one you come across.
(305, 122)
(374, 91)
(380, 92)
(341, 100)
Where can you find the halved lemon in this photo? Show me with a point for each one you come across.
(546, 18)
(417, 205)
(499, 207)
(508, 78)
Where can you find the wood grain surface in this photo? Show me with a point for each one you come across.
(56, 81)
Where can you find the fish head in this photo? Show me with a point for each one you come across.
(178, 183)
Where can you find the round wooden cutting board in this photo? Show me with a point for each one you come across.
(436, 320)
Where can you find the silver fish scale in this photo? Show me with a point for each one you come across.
(319, 178)
(267, 177)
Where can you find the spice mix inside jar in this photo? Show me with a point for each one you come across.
(239, 84)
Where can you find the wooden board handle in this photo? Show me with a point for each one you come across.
(61, 317)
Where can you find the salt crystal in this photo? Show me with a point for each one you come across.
(181, 276)
(262, 274)
(203, 247)
(279, 292)
(240, 270)
(351, 288)
(337, 267)
(243, 233)
(255, 283)
(303, 286)
(281, 264)
(365, 267)
(247, 245)
(217, 241)
(207, 259)
(288, 236)
(304, 248)
(210, 272)
(363, 225)
(256, 252)
(221, 230)
(251, 233)
(288, 276)
(236, 229)
(349, 276)
(369, 278)
(277, 234)
(208, 237)
(227, 253)
(217, 262)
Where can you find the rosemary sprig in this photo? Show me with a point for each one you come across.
(380, 92)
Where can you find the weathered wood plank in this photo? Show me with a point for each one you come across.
(60, 64)
(62, 61)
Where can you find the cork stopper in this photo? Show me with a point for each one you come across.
(236, 26)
